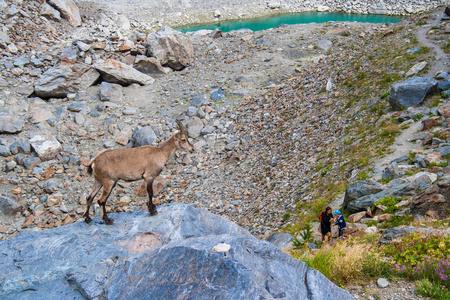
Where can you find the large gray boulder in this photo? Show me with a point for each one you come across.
(110, 92)
(360, 189)
(10, 123)
(67, 78)
(411, 92)
(182, 253)
(115, 71)
(68, 9)
(171, 48)
(149, 66)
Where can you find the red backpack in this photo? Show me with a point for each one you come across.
(320, 216)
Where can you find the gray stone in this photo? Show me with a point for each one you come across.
(207, 130)
(444, 150)
(200, 100)
(46, 146)
(68, 9)
(69, 53)
(83, 46)
(50, 12)
(413, 50)
(10, 166)
(67, 78)
(149, 65)
(382, 283)
(5, 150)
(190, 252)
(361, 188)
(10, 123)
(144, 136)
(390, 172)
(110, 92)
(324, 44)
(405, 189)
(362, 203)
(411, 92)
(20, 145)
(416, 68)
(444, 85)
(21, 61)
(171, 48)
(25, 89)
(115, 71)
(9, 206)
(40, 114)
(280, 239)
(76, 106)
(50, 186)
(11, 11)
(392, 235)
(217, 95)
(130, 111)
(192, 111)
(4, 37)
(194, 127)
(79, 119)
(31, 162)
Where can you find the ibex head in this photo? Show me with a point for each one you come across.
(182, 139)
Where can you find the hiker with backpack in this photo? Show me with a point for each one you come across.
(325, 219)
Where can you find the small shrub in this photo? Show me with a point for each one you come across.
(397, 221)
(389, 202)
(385, 94)
(391, 130)
(286, 217)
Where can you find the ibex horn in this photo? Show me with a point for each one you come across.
(181, 126)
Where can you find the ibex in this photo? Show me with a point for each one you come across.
(131, 164)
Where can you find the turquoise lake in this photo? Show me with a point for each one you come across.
(296, 18)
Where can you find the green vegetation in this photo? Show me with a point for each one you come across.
(389, 202)
(425, 258)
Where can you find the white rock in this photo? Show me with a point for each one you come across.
(222, 247)
(123, 23)
(322, 8)
(370, 230)
(382, 283)
(12, 48)
(217, 13)
(46, 146)
(416, 68)
(274, 4)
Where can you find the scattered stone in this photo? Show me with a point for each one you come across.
(110, 92)
(10, 123)
(46, 146)
(416, 68)
(144, 136)
(50, 12)
(444, 110)
(149, 65)
(9, 206)
(382, 283)
(194, 127)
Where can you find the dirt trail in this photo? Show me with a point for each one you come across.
(442, 61)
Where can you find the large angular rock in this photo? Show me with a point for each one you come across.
(68, 9)
(182, 253)
(46, 146)
(149, 65)
(393, 235)
(115, 71)
(172, 48)
(362, 203)
(67, 78)
(361, 188)
(49, 12)
(411, 92)
(433, 201)
(10, 123)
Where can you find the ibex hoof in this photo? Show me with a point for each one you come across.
(87, 220)
(109, 221)
(153, 213)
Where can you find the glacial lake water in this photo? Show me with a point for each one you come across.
(294, 18)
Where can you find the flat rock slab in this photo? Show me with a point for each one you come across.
(69, 10)
(67, 78)
(115, 71)
(174, 258)
(411, 92)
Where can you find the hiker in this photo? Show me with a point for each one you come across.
(340, 222)
(325, 218)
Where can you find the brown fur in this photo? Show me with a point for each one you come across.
(131, 164)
